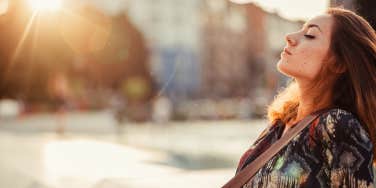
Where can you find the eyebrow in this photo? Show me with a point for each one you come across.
(314, 25)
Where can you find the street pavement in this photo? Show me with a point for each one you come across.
(96, 152)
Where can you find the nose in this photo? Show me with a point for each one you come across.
(290, 39)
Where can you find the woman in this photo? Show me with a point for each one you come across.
(332, 61)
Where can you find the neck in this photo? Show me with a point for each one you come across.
(307, 103)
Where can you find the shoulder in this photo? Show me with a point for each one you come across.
(345, 147)
(340, 124)
(339, 117)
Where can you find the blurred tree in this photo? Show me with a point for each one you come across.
(85, 46)
(111, 56)
(113, 51)
(31, 48)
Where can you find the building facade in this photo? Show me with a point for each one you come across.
(171, 29)
(232, 44)
(241, 47)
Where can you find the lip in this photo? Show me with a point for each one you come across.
(287, 51)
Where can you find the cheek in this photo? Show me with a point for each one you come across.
(311, 63)
(305, 63)
(310, 53)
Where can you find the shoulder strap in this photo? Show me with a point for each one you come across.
(247, 173)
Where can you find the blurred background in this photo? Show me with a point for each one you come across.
(139, 93)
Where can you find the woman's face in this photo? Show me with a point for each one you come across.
(306, 50)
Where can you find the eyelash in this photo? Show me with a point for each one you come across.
(309, 36)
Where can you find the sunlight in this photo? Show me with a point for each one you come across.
(45, 5)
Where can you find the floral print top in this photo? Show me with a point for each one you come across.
(335, 150)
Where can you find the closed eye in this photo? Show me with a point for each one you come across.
(309, 36)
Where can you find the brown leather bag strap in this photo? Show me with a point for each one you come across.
(247, 173)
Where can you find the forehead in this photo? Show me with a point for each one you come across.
(324, 22)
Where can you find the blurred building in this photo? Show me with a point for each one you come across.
(241, 47)
(232, 47)
(171, 29)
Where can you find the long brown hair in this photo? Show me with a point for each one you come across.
(353, 50)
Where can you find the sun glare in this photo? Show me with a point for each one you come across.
(45, 5)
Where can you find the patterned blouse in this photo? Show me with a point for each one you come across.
(335, 150)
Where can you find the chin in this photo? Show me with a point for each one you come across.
(282, 68)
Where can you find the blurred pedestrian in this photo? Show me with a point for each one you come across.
(332, 97)
(59, 89)
(162, 109)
